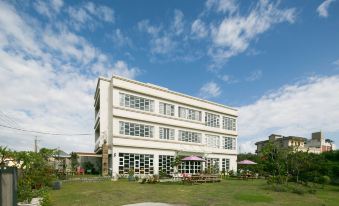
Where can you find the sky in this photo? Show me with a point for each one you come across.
(277, 62)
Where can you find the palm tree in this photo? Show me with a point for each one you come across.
(330, 142)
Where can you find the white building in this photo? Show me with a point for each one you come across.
(147, 126)
(318, 143)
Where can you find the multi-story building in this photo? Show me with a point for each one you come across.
(144, 127)
(317, 144)
(282, 142)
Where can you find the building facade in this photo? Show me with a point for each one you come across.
(144, 127)
(282, 142)
(317, 144)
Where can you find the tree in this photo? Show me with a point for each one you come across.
(274, 160)
(74, 160)
(5, 156)
(330, 142)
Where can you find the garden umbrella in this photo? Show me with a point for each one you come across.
(193, 158)
(247, 162)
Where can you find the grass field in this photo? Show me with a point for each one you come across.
(228, 192)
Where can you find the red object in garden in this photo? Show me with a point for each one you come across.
(80, 171)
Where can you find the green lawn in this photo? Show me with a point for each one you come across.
(228, 192)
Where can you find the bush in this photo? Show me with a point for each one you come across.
(277, 188)
(280, 179)
(324, 180)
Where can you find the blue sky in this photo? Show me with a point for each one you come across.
(276, 61)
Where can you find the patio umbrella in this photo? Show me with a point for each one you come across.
(193, 158)
(247, 162)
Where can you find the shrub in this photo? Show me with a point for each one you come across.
(297, 190)
(324, 180)
(280, 179)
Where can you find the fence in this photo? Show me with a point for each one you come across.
(8, 186)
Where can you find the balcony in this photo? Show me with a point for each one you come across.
(98, 145)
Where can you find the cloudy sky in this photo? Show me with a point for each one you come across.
(276, 61)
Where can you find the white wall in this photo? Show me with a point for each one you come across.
(156, 146)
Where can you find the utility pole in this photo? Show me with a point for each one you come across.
(36, 144)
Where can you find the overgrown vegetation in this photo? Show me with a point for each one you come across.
(281, 166)
(35, 174)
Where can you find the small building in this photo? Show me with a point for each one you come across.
(317, 144)
(60, 161)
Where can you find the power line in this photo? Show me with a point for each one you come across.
(42, 132)
(10, 119)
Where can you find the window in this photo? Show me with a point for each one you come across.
(229, 123)
(190, 167)
(213, 141)
(225, 164)
(228, 143)
(135, 102)
(189, 114)
(186, 136)
(212, 120)
(166, 133)
(140, 163)
(212, 165)
(134, 129)
(166, 109)
(165, 164)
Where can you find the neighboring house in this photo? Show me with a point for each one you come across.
(317, 144)
(60, 160)
(144, 127)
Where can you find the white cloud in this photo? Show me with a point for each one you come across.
(198, 29)
(223, 6)
(209, 90)
(323, 8)
(101, 12)
(255, 75)
(162, 45)
(89, 15)
(297, 109)
(120, 39)
(336, 63)
(228, 79)
(49, 76)
(178, 23)
(145, 26)
(121, 68)
(234, 34)
(48, 8)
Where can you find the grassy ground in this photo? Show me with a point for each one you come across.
(228, 192)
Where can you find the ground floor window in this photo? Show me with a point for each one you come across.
(225, 164)
(212, 165)
(190, 167)
(141, 163)
(165, 164)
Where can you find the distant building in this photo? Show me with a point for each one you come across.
(317, 144)
(282, 142)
